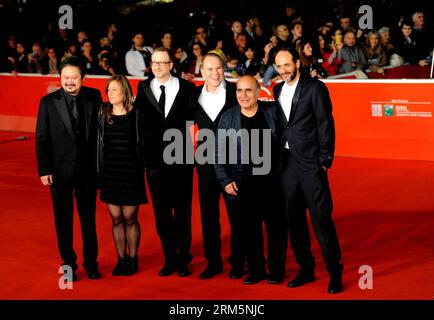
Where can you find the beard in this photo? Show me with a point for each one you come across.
(292, 76)
(71, 88)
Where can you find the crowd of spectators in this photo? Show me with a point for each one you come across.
(336, 45)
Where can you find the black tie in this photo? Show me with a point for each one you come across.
(74, 111)
(162, 100)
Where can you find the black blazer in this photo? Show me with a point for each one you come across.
(155, 124)
(231, 119)
(56, 149)
(310, 131)
(204, 122)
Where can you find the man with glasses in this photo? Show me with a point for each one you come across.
(167, 103)
(199, 37)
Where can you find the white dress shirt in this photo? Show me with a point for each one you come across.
(171, 90)
(212, 103)
(285, 100)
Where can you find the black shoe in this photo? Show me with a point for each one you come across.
(272, 279)
(119, 270)
(210, 272)
(184, 271)
(133, 266)
(254, 278)
(301, 279)
(236, 273)
(93, 273)
(335, 284)
(166, 271)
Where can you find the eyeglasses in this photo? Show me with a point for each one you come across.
(160, 63)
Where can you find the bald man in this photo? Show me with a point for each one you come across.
(250, 185)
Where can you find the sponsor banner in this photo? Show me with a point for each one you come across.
(391, 119)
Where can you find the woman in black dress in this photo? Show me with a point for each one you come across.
(121, 169)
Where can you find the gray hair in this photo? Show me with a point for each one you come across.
(384, 30)
(415, 13)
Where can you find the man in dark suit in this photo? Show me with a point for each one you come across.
(167, 104)
(215, 97)
(251, 182)
(309, 142)
(66, 154)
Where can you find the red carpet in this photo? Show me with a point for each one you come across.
(384, 213)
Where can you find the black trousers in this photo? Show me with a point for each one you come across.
(171, 192)
(210, 193)
(257, 204)
(312, 184)
(62, 195)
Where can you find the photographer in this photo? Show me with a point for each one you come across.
(37, 60)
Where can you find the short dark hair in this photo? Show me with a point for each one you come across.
(294, 23)
(290, 4)
(72, 62)
(350, 30)
(293, 52)
(407, 22)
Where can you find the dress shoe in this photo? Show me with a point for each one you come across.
(121, 266)
(253, 278)
(273, 279)
(93, 273)
(132, 266)
(301, 279)
(166, 271)
(335, 284)
(210, 272)
(236, 273)
(184, 271)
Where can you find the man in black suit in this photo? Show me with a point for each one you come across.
(250, 182)
(167, 104)
(66, 154)
(309, 142)
(215, 97)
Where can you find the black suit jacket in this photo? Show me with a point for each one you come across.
(155, 124)
(310, 131)
(56, 148)
(204, 122)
